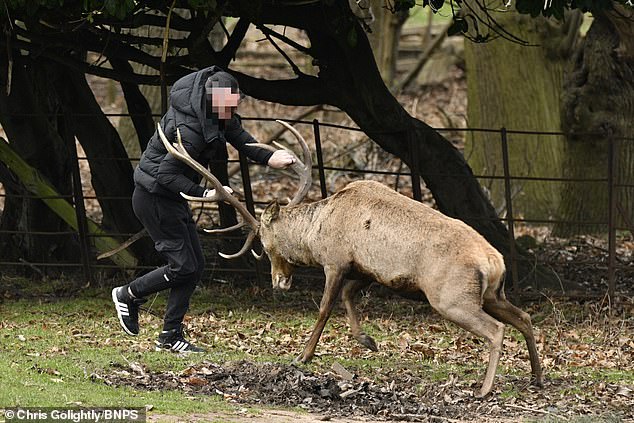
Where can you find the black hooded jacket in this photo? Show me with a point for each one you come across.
(159, 172)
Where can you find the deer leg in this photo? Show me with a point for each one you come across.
(348, 296)
(472, 318)
(506, 312)
(334, 279)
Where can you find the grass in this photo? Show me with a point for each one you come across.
(53, 350)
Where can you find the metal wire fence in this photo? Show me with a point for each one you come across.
(88, 265)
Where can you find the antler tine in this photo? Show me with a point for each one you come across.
(302, 168)
(244, 249)
(181, 153)
(225, 230)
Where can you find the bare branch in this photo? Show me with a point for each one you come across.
(284, 38)
(303, 91)
(234, 40)
(295, 68)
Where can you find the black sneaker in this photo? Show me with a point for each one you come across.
(127, 310)
(173, 340)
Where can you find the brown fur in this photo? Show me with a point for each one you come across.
(370, 230)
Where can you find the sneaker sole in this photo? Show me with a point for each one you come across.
(169, 350)
(157, 348)
(123, 326)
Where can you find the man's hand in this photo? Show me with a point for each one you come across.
(281, 159)
(209, 193)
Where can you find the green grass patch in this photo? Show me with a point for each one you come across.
(51, 351)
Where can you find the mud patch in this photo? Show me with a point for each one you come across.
(401, 396)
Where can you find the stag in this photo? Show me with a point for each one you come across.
(368, 232)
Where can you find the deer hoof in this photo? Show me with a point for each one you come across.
(368, 342)
(482, 393)
(300, 360)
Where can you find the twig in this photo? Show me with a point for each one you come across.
(32, 266)
(123, 246)
(431, 416)
(628, 222)
(295, 68)
(266, 30)
(532, 410)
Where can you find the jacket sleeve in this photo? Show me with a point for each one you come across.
(239, 138)
(172, 172)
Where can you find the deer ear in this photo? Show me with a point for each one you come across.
(270, 213)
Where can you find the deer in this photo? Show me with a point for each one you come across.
(367, 232)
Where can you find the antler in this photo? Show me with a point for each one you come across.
(302, 168)
(221, 195)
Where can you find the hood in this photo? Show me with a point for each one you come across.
(187, 96)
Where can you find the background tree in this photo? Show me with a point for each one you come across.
(518, 85)
(597, 105)
(522, 87)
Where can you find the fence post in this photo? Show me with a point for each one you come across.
(248, 197)
(78, 198)
(416, 191)
(611, 219)
(320, 159)
(509, 213)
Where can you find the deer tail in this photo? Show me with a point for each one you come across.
(492, 280)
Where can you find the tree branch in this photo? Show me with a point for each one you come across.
(137, 39)
(233, 43)
(292, 64)
(303, 91)
(284, 38)
(93, 70)
(138, 106)
(143, 19)
(86, 41)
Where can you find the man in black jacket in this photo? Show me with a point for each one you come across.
(202, 107)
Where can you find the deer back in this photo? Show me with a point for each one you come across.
(380, 233)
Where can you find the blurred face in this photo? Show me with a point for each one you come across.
(224, 102)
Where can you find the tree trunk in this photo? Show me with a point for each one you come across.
(110, 167)
(599, 99)
(518, 87)
(35, 138)
(141, 119)
(36, 184)
(349, 79)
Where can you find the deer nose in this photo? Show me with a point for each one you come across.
(282, 282)
(285, 283)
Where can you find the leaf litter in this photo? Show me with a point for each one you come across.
(426, 369)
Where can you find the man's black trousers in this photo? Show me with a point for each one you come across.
(170, 225)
